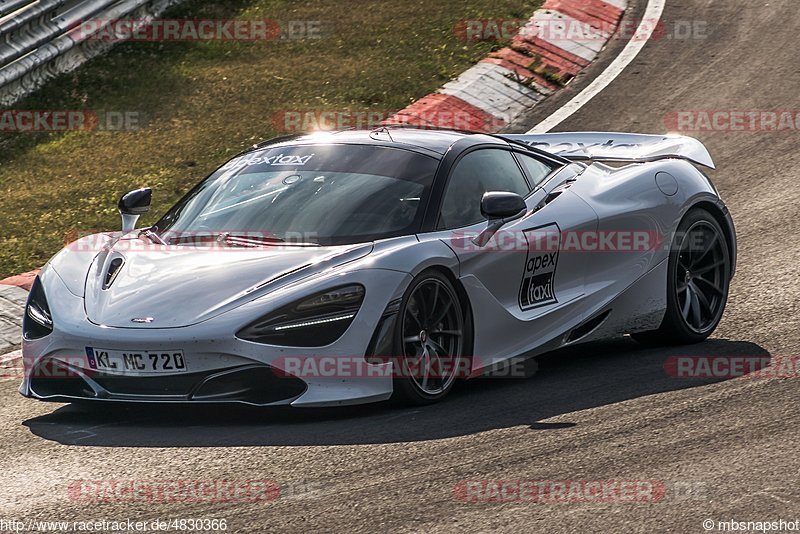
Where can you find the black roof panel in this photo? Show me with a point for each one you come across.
(418, 139)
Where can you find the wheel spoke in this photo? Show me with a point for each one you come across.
(696, 317)
(438, 349)
(434, 300)
(419, 353)
(413, 363)
(436, 366)
(715, 288)
(707, 268)
(415, 319)
(422, 306)
(411, 339)
(706, 250)
(456, 333)
(690, 247)
(426, 369)
(686, 305)
(440, 317)
(703, 300)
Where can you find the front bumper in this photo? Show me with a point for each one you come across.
(260, 385)
(221, 368)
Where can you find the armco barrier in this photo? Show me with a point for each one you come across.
(36, 41)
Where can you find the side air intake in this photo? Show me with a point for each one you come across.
(586, 328)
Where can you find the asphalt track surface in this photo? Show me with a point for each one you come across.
(605, 411)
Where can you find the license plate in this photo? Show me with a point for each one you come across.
(136, 362)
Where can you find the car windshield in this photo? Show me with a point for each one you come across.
(306, 194)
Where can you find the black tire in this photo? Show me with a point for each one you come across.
(698, 279)
(430, 337)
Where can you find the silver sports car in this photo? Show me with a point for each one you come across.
(357, 266)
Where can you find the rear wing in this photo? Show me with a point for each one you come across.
(619, 147)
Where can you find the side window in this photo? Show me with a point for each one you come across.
(476, 173)
(537, 170)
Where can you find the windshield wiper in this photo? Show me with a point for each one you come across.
(251, 240)
(152, 236)
(193, 238)
(232, 238)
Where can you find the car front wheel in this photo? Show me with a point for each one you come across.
(429, 340)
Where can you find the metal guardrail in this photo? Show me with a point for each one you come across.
(38, 39)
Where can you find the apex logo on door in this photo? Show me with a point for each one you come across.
(538, 280)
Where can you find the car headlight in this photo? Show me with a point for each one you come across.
(37, 321)
(313, 321)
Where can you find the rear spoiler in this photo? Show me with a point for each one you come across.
(619, 147)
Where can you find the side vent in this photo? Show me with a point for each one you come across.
(587, 327)
(113, 269)
(555, 193)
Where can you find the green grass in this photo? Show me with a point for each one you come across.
(206, 101)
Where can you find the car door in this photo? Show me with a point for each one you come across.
(523, 287)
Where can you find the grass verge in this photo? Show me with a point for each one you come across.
(201, 102)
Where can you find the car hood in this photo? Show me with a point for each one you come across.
(174, 286)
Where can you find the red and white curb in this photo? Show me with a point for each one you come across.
(24, 280)
(558, 41)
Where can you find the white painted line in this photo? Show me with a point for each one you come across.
(652, 15)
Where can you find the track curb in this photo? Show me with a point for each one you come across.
(559, 40)
(23, 281)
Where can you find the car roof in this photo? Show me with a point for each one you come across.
(427, 141)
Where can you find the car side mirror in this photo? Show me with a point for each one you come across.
(500, 207)
(133, 204)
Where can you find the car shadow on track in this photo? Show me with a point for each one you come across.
(568, 380)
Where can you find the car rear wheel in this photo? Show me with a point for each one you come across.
(429, 340)
(698, 278)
